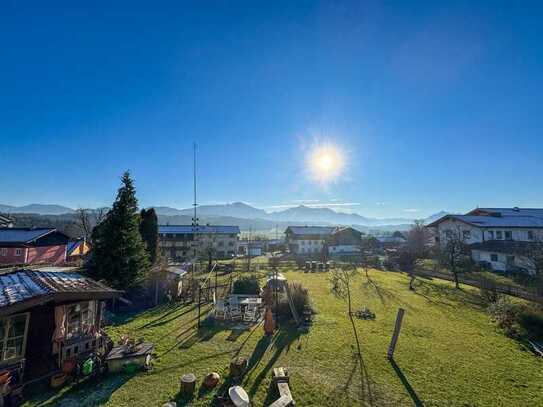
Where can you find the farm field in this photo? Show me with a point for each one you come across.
(449, 353)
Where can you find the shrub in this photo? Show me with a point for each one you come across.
(300, 298)
(506, 314)
(246, 285)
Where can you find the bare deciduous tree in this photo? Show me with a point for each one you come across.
(453, 253)
(84, 223)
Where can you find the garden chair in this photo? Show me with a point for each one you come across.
(250, 314)
(220, 309)
(235, 311)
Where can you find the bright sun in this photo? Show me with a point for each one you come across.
(325, 163)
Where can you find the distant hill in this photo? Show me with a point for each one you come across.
(40, 209)
(236, 209)
(241, 214)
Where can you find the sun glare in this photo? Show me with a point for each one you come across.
(325, 163)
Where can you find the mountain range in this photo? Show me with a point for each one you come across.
(246, 216)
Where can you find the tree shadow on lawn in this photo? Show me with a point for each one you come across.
(444, 295)
(86, 394)
(383, 294)
(162, 320)
(280, 343)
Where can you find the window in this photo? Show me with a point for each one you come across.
(80, 319)
(491, 234)
(493, 257)
(508, 235)
(449, 234)
(499, 235)
(466, 234)
(18, 252)
(12, 336)
(3, 251)
(530, 235)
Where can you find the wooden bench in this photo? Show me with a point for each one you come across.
(280, 377)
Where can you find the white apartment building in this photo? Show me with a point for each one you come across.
(179, 242)
(500, 237)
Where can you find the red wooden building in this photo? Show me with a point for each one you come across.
(20, 246)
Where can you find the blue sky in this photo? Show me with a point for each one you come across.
(434, 106)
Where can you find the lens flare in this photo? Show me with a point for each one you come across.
(325, 163)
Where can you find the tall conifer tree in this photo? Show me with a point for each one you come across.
(149, 232)
(119, 255)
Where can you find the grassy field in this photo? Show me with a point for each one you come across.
(449, 354)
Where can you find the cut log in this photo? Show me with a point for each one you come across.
(282, 401)
(188, 384)
(238, 366)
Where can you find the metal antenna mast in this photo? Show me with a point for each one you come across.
(195, 205)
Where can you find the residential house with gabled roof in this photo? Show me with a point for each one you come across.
(344, 241)
(307, 240)
(499, 237)
(19, 246)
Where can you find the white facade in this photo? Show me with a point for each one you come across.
(306, 246)
(473, 234)
(502, 261)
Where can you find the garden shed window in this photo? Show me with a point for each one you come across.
(80, 318)
(13, 336)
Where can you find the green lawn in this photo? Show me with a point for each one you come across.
(449, 353)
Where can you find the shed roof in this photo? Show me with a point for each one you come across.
(189, 229)
(22, 289)
(23, 235)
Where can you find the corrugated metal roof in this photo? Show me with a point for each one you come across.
(311, 230)
(22, 235)
(536, 212)
(17, 287)
(177, 229)
(506, 221)
(22, 285)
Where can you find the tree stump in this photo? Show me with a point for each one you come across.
(211, 380)
(238, 366)
(188, 384)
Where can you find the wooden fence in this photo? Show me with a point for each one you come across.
(485, 283)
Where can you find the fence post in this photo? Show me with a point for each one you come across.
(199, 306)
(397, 327)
